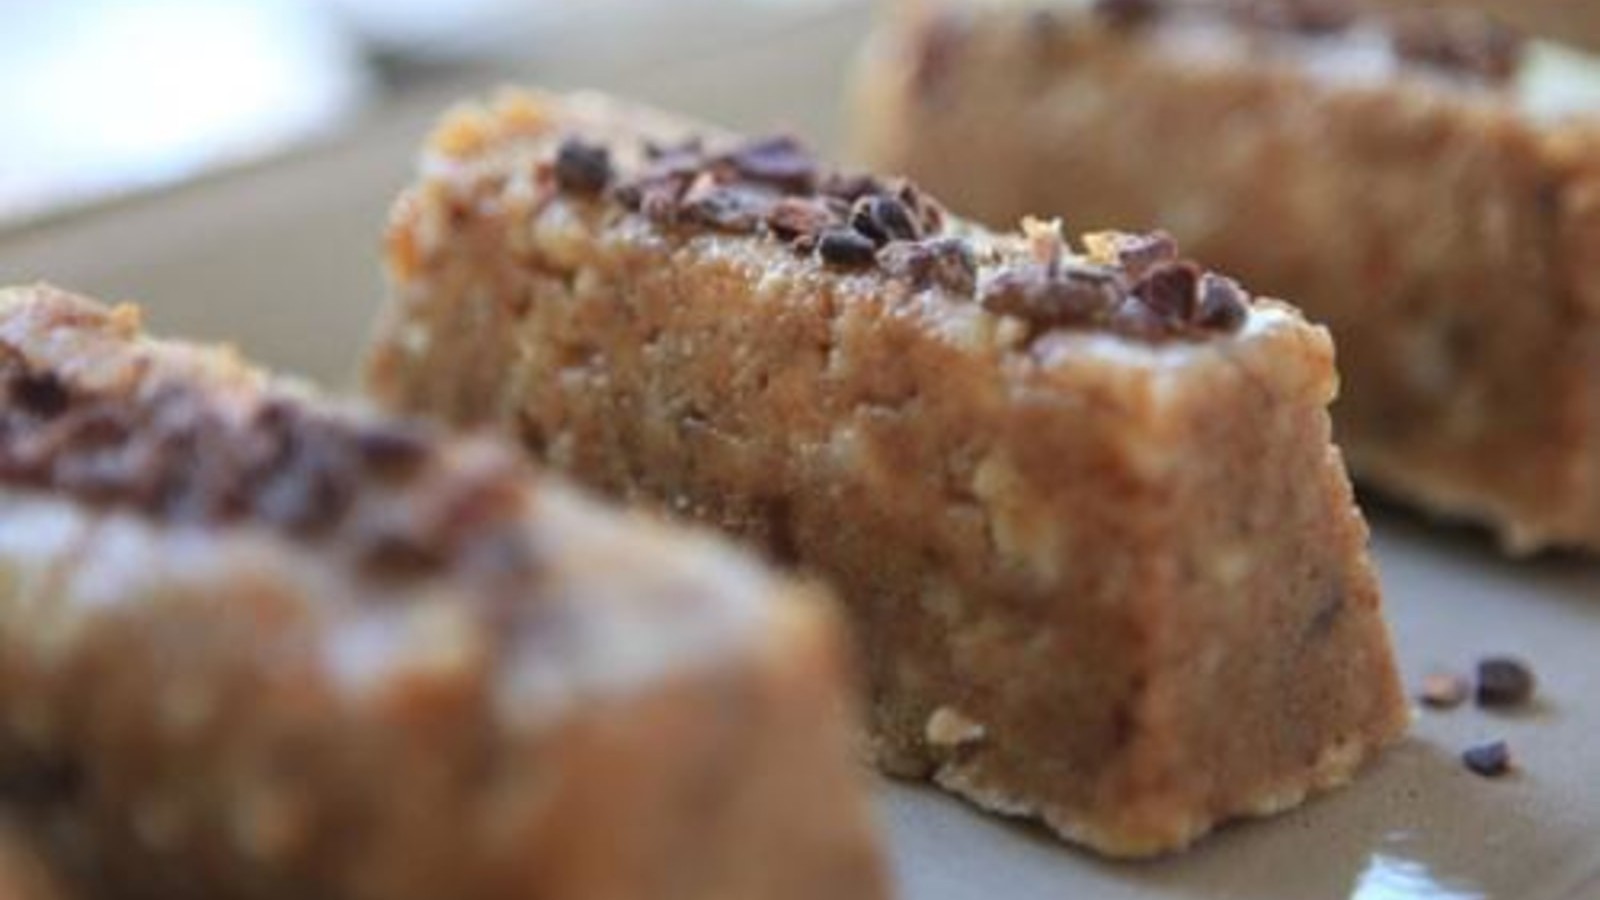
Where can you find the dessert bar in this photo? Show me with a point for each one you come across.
(258, 644)
(1101, 558)
(1426, 183)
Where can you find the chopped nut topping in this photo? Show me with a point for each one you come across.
(1045, 243)
(581, 167)
(950, 728)
(1504, 682)
(1490, 760)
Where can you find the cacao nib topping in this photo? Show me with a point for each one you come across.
(393, 447)
(1490, 760)
(39, 394)
(796, 220)
(849, 186)
(883, 218)
(1053, 296)
(1129, 13)
(924, 210)
(780, 161)
(1504, 682)
(846, 249)
(1138, 253)
(1137, 285)
(1133, 285)
(172, 454)
(945, 263)
(1464, 43)
(1224, 306)
(581, 167)
(1171, 289)
(689, 149)
(1312, 17)
(727, 208)
(1138, 320)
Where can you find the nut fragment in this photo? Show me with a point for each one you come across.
(948, 727)
(1444, 690)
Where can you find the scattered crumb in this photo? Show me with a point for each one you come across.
(1444, 690)
(950, 728)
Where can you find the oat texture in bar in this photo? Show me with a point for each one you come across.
(1425, 183)
(254, 643)
(1101, 559)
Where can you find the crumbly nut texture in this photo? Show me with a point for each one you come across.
(256, 644)
(1427, 184)
(1102, 561)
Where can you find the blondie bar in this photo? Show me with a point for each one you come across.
(257, 644)
(1101, 558)
(1425, 183)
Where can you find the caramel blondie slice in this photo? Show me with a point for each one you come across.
(1424, 182)
(255, 644)
(1101, 559)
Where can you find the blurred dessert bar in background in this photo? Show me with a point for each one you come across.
(1427, 183)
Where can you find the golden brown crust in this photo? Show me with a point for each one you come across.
(223, 707)
(1059, 546)
(1435, 223)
